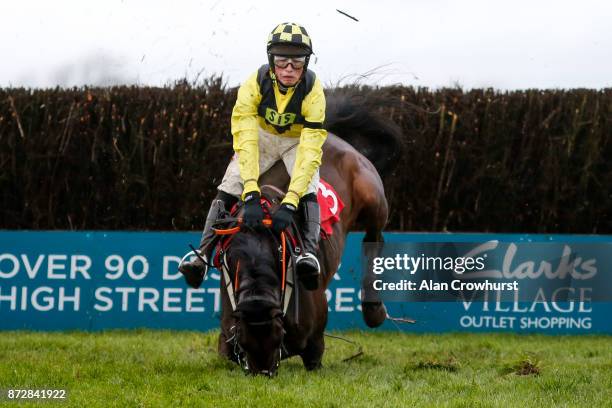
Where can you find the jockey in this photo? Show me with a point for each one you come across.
(278, 115)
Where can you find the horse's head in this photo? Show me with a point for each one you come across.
(254, 258)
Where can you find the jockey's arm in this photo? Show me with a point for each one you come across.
(309, 151)
(245, 134)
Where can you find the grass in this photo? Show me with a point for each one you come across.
(163, 368)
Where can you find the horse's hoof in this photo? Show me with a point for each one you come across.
(313, 366)
(374, 313)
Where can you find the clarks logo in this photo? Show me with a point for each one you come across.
(568, 264)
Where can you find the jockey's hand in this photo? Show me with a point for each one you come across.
(283, 217)
(253, 213)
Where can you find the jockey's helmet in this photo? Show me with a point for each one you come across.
(290, 40)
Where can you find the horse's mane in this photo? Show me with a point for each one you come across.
(355, 115)
(255, 257)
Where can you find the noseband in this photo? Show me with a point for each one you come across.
(240, 353)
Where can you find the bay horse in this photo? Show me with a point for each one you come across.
(360, 145)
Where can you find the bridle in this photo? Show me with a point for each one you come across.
(286, 246)
(240, 353)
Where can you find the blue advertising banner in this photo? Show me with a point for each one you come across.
(104, 280)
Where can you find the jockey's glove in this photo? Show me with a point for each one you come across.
(253, 213)
(283, 217)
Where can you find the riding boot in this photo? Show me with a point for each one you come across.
(194, 271)
(307, 264)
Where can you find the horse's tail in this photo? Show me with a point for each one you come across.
(355, 117)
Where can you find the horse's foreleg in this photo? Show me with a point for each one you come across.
(313, 353)
(224, 348)
(225, 345)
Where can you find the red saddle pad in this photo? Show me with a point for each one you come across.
(330, 206)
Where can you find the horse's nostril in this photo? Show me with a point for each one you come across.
(256, 302)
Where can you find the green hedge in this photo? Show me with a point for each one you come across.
(150, 158)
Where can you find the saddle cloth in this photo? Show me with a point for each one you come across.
(330, 206)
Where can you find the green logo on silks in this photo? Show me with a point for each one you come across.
(279, 119)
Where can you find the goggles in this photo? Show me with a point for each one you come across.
(283, 62)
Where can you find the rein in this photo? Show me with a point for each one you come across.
(233, 230)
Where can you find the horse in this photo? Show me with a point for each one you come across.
(361, 145)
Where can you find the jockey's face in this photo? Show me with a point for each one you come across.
(288, 76)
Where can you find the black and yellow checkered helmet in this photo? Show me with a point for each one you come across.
(291, 35)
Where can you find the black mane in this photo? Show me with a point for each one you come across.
(257, 262)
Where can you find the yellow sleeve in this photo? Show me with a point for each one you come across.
(309, 151)
(245, 133)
